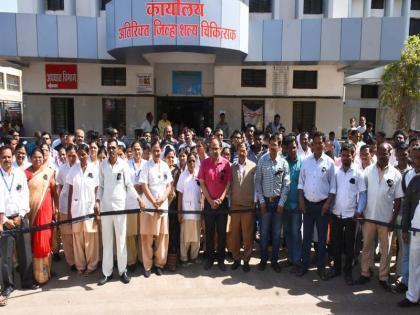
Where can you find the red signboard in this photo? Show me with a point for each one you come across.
(59, 76)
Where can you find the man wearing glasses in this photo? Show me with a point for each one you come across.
(114, 184)
(219, 135)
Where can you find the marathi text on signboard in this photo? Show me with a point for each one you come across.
(61, 76)
(209, 29)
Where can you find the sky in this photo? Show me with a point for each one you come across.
(8, 6)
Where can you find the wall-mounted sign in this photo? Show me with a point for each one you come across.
(61, 76)
(207, 28)
(144, 83)
(186, 83)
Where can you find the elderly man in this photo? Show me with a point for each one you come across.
(242, 198)
(215, 177)
(383, 205)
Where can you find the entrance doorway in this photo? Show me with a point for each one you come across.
(196, 113)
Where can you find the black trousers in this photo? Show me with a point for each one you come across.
(343, 237)
(215, 221)
(24, 256)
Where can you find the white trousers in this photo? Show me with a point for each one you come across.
(413, 293)
(109, 224)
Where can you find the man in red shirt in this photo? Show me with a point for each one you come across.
(215, 176)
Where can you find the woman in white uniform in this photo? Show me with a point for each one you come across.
(189, 198)
(83, 183)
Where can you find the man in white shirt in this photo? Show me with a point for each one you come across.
(350, 200)
(362, 127)
(304, 151)
(114, 185)
(62, 191)
(383, 205)
(14, 204)
(147, 124)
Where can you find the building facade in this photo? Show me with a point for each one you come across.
(93, 64)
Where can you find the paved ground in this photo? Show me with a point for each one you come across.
(192, 290)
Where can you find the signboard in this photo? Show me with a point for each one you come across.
(158, 28)
(61, 76)
(144, 83)
(253, 113)
(186, 83)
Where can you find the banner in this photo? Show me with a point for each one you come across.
(253, 117)
(144, 83)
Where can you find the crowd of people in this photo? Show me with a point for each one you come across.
(206, 194)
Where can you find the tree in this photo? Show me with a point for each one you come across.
(401, 83)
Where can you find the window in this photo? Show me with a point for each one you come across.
(13, 82)
(369, 91)
(1, 81)
(377, 4)
(103, 4)
(253, 113)
(305, 79)
(304, 115)
(62, 114)
(312, 7)
(55, 5)
(260, 6)
(113, 77)
(414, 27)
(415, 4)
(253, 78)
(113, 113)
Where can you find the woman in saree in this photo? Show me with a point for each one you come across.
(42, 197)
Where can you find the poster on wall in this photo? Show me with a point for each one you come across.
(61, 76)
(253, 113)
(186, 83)
(144, 83)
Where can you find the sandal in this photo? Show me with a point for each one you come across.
(3, 301)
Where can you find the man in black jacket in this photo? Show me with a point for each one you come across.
(411, 220)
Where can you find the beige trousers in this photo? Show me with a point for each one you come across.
(86, 250)
(242, 228)
(134, 249)
(154, 250)
(190, 239)
(369, 233)
(67, 240)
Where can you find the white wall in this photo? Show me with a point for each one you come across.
(88, 7)
(5, 94)
(357, 8)
(284, 9)
(69, 8)
(30, 6)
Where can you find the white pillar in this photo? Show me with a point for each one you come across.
(367, 8)
(298, 9)
(389, 7)
(406, 12)
(349, 8)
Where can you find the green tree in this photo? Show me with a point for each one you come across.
(401, 83)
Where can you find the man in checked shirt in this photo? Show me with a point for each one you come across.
(272, 183)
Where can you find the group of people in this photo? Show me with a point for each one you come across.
(295, 191)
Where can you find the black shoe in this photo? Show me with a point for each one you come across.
(147, 273)
(399, 287)
(104, 280)
(125, 278)
(131, 268)
(235, 265)
(56, 257)
(407, 303)
(208, 265)
(348, 278)
(159, 271)
(300, 272)
(73, 268)
(246, 267)
(362, 280)
(384, 284)
(261, 265)
(334, 273)
(276, 267)
(6, 292)
(221, 266)
(323, 275)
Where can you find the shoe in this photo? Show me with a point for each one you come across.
(393, 268)
(246, 267)
(384, 284)
(3, 301)
(323, 275)
(208, 265)
(399, 287)
(407, 303)
(334, 273)
(34, 286)
(131, 268)
(294, 269)
(348, 278)
(261, 265)
(6, 292)
(104, 280)
(125, 278)
(235, 265)
(362, 280)
(276, 267)
(147, 273)
(56, 257)
(73, 268)
(301, 271)
(184, 264)
(221, 266)
(159, 271)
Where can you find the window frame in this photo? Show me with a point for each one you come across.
(415, 5)
(118, 101)
(378, 5)
(15, 87)
(114, 80)
(2, 85)
(253, 83)
(369, 91)
(54, 5)
(305, 83)
(103, 4)
(67, 104)
(313, 7)
(260, 6)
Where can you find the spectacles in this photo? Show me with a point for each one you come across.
(112, 148)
